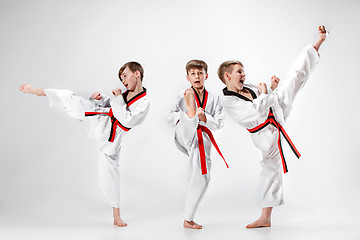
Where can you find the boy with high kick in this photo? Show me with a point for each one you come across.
(263, 114)
(193, 114)
(106, 120)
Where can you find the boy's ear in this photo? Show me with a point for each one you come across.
(207, 75)
(226, 76)
(137, 74)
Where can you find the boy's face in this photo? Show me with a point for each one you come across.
(196, 77)
(236, 78)
(130, 79)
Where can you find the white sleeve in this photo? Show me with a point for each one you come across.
(103, 102)
(245, 111)
(215, 121)
(125, 116)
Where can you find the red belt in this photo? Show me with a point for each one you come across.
(114, 123)
(199, 130)
(271, 120)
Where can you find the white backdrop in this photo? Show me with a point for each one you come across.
(48, 166)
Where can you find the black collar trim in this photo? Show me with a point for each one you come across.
(135, 98)
(203, 103)
(231, 93)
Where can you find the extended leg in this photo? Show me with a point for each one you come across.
(75, 106)
(299, 74)
(321, 38)
(27, 88)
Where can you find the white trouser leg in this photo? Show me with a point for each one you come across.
(271, 178)
(185, 131)
(186, 136)
(109, 174)
(298, 76)
(197, 184)
(75, 106)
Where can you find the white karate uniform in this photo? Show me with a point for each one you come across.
(128, 113)
(250, 114)
(186, 140)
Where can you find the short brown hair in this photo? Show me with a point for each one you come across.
(196, 64)
(228, 67)
(133, 66)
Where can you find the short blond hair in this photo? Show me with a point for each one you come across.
(228, 67)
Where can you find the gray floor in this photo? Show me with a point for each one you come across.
(284, 226)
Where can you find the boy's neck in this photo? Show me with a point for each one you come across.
(200, 91)
(232, 88)
(138, 89)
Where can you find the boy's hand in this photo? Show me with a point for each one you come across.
(116, 92)
(201, 114)
(263, 88)
(274, 82)
(96, 96)
(189, 91)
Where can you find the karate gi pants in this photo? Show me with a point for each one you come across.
(109, 174)
(186, 136)
(266, 140)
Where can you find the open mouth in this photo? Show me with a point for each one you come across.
(242, 81)
(197, 82)
(126, 85)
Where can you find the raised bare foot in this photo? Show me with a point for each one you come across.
(189, 98)
(192, 224)
(119, 222)
(27, 88)
(259, 223)
(322, 36)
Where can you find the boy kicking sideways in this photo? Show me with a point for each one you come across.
(263, 115)
(107, 121)
(192, 116)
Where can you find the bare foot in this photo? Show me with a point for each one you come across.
(322, 36)
(192, 225)
(119, 222)
(26, 88)
(117, 219)
(264, 220)
(259, 223)
(189, 98)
